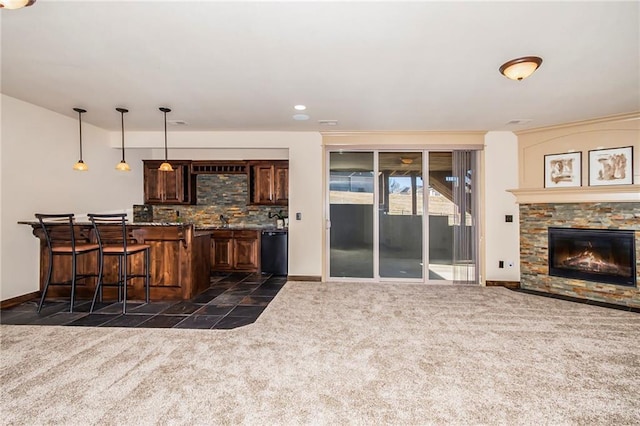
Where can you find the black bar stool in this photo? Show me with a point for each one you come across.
(64, 240)
(114, 240)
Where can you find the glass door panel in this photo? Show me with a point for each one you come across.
(351, 198)
(400, 190)
(442, 214)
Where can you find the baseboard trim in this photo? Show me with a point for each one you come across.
(15, 301)
(313, 278)
(508, 284)
(579, 300)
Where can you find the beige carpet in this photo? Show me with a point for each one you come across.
(339, 354)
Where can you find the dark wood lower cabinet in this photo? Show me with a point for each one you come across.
(235, 250)
(179, 267)
(222, 251)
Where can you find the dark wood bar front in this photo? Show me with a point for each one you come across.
(180, 263)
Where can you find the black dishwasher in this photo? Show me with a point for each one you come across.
(274, 257)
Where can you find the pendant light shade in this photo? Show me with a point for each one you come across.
(165, 167)
(520, 68)
(122, 165)
(80, 165)
(15, 4)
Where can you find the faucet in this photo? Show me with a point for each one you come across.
(278, 215)
(225, 221)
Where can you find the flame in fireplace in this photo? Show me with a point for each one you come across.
(589, 261)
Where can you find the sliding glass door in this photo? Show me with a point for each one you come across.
(400, 211)
(452, 216)
(378, 228)
(351, 186)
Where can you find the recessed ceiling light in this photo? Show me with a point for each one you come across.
(520, 121)
(300, 117)
(300, 107)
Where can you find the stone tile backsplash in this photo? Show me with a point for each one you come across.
(218, 194)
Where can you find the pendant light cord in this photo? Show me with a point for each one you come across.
(80, 126)
(122, 122)
(166, 151)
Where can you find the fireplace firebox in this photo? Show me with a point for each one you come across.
(599, 255)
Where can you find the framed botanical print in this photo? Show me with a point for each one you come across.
(563, 170)
(612, 166)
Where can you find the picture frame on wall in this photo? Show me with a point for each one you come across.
(563, 170)
(611, 166)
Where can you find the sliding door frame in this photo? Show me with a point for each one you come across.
(425, 150)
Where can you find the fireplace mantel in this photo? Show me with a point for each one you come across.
(583, 194)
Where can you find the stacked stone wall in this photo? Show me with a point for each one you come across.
(535, 219)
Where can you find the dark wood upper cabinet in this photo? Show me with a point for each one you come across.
(281, 183)
(176, 187)
(269, 182)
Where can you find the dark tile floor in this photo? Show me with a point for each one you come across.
(233, 300)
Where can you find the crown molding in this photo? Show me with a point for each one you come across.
(589, 194)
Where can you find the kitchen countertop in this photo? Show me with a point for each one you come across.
(86, 222)
(198, 227)
(234, 227)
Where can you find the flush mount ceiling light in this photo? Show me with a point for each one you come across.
(406, 160)
(122, 165)
(165, 167)
(520, 68)
(80, 166)
(15, 4)
(300, 107)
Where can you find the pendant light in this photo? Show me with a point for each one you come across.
(520, 68)
(165, 167)
(15, 4)
(122, 165)
(80, 165)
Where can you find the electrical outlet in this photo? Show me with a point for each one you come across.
(298, 216)
(501, 264)
(508, 218)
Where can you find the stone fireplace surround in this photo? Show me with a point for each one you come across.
(537, 217)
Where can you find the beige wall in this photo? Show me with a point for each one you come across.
(611, 132)
(38, 150)
(501, 239)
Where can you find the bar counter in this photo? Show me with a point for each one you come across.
(180, 262)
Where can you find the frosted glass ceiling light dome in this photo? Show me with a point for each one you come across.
(520, 68)
(15, 4)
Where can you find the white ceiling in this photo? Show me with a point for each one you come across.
(373, 66)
